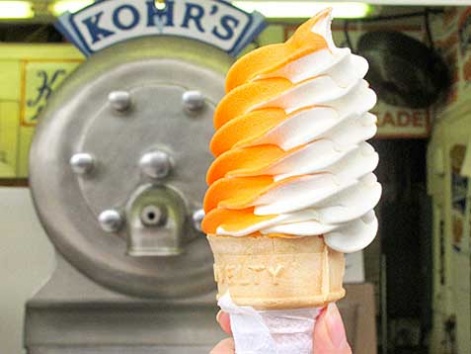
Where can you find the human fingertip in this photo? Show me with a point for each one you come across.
(335, 327)
(224, 321)
(218, 316)
(226, 346)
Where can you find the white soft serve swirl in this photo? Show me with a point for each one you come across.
(335, 190)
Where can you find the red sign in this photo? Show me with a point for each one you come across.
(398, 122)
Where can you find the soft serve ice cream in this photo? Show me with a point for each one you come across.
(291, 188)
(290, 144)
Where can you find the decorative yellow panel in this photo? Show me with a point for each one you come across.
(29, 74)
(10, 80)
(40, 79)
(9, 128)
(26, 134)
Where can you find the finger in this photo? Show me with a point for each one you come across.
(226, 346)
(224, 321)
(329, 332)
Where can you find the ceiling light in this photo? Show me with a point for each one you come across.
(16, 9)
(59, 7)
(303, 9)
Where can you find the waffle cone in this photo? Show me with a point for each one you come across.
(277, 272)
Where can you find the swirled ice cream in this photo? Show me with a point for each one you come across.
(290, 144)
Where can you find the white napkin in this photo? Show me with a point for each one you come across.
(270, 331)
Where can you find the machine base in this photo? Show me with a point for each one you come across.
(121, 350)
(73, 315)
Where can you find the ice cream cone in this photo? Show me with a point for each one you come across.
(291, 188)
(269, 273)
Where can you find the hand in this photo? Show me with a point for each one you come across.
(329, 334)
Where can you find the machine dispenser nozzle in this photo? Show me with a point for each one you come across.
(156, 220)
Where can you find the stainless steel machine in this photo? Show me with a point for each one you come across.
(117, 174)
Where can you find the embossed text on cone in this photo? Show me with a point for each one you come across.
(277, 273)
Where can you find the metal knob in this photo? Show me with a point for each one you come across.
(193, 100)
(155, 164)
(82, 163)
(198, 217)
(110, 220)
(120, 100)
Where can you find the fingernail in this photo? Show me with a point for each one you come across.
(335, 327)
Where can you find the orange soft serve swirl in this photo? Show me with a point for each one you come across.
(290, 144)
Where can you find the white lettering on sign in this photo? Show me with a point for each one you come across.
(215, 22)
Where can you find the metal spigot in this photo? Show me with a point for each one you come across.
(156, 218)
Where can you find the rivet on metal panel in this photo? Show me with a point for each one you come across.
(155, 164)
(198, 216)
(82, 163)
(193, 100)
(120, 100)
(110, 220)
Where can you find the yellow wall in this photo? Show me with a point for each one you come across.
(28, 75)
(450, 143)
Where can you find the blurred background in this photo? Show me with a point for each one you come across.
(420, 66)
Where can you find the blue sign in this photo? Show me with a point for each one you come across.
(215, 22)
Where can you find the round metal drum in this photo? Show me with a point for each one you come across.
(118, 164)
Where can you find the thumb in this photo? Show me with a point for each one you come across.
(329, 333)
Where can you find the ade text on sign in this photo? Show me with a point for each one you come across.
(397, 122)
